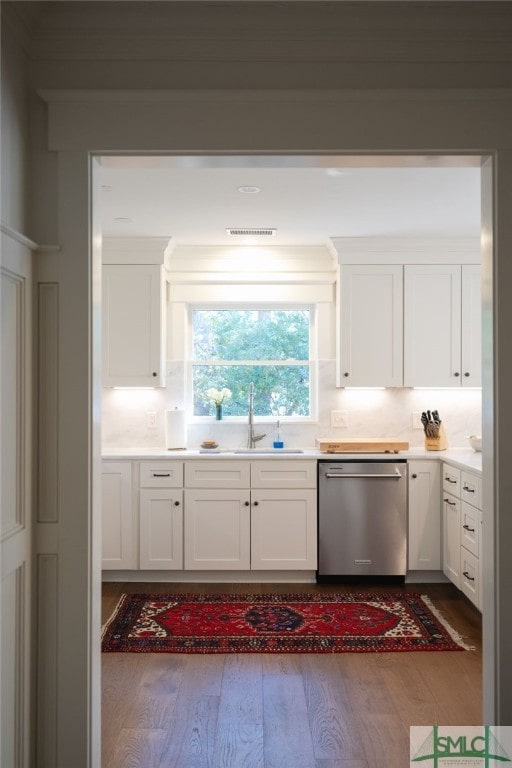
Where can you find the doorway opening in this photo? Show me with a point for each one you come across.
(295, 178)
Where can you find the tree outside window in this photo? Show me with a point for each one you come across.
(269, 347)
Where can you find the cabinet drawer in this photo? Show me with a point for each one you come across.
(217, 474)
(470, 528)
(451, 480)
(469, 575)
(283, 474)
(470, 489)
(161, 474)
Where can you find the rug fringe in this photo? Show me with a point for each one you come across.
(456, 637)
(112, 616)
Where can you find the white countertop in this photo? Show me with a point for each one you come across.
(464, 458)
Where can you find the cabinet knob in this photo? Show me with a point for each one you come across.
(176, 503)
(256, 503)
(456, 374)
(246, 503)
(154, 373)
(467, 374)
(346, 374)
(414, 476)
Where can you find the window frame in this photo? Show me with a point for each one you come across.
(312, 362)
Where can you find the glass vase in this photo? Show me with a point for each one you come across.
(218, 412)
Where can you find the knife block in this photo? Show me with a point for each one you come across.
(439, 443)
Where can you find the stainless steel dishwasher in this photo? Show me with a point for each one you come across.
(362, 518)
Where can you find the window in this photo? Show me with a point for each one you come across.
(268, 346)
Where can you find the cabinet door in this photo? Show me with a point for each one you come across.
(471, 326)
(371, 326)
(161, 529)
(133, 329)
(451, 538)
(424, 516)
(470, 528)
(469, 575)
(217, 529)
(117, 516)
(432, 326)
(283, 529)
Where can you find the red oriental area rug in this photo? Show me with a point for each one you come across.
(301, 623)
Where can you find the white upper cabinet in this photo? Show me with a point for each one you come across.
(471, 368)
(442, 326)
(371, 331)
(133, 314)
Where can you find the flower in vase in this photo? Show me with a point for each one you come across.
(218, 395)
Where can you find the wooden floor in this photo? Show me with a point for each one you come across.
(284, 711)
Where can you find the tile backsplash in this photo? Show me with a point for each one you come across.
(370, 413)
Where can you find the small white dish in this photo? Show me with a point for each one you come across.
(475, 442)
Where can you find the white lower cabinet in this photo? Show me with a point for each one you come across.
(217, 529)
(462, 525)
(424, 537)
(283, 529)
(161, 515)
(451, 538)
(118, 544)
(161, 529)
(257, 528)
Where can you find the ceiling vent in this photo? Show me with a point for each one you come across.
(251, 232)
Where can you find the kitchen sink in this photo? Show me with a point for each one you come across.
(267, 450)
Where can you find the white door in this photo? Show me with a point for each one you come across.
(432, 326)
(371, 326)
(161, 529)
(16, 498)
(117, 516)
(217, 529)
(471, 326)
(283, 529)
(132, 325)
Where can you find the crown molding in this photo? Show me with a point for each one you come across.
(403, 250)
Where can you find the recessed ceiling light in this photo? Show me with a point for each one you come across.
(123, 219)
(249, 190)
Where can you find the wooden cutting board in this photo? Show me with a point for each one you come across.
(361, 445)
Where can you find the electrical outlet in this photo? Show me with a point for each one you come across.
(416, 420)
(339, 419)
(151, 419)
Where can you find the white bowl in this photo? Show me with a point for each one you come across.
(475, 442)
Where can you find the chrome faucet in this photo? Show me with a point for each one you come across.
(252, 438)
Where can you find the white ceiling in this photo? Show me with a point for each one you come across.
(308, 199)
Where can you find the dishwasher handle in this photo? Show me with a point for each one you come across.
(396, 476)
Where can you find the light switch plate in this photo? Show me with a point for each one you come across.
(339, 419)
